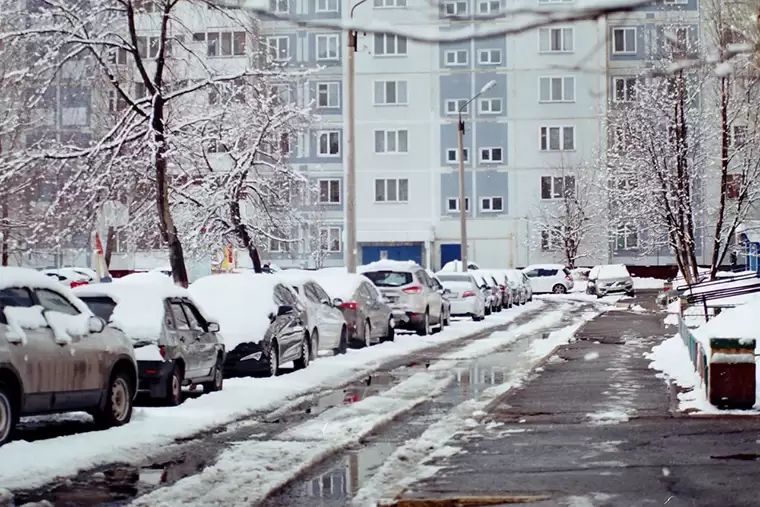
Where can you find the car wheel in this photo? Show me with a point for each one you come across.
(447, 319)
(487, 311)
(559, 289)
(303, 361)
(314, 344)
(424, 329)
(8, 415)
(391, 331)
(174, 387)
(217, 384)
(274, 359)
(119, 402)
(367, 334)
(342, 344)
(630, 294)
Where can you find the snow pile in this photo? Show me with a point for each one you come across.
(638, 309)
(739, 322)
(139, 311)
(648, 283)
(20, 318)
(240, 303)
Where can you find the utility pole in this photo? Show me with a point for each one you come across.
(351, 149)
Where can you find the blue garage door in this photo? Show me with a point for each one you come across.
(450, 252)
(372, 253)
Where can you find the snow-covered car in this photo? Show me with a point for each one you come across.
(71, 277)
(408, 288)
(325, 324)
(545, 278)
(467, 299)
(56, 356)
(521, 285)
(505, 291)
(369, 319)
(444, 292)
(175, 343)
(487, 283)
(456, 266)
(608, 279)
(261, 322)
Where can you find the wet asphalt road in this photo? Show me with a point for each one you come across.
(598, 428)
(332, 482)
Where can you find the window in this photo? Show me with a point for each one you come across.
(491, 155)
(330, 239)
(624, 41)
(733, 185)
(489, 6)
(626, 238)
(557, 187)
(275, 245)
(491, 204)
(74, 116)
(238, 43)
(279, 6)
(53, 301)
(489, 56)
(389, 4)
(391, 141)
(390, 93)
(557, 138)
(455, 8)
(620, 139)
(328, 95)
(283, 93)
(392, 190)
(454, 105)
(556, 89)
(327, 5)
(555, 40)
(193, 317)
(180, 319)
(327, 47)
(390, 45)
(117, 56)
(551, 238)
(329, 191)
(451, 155)
(279, 48)
(147, 47)
(489, 106)
(116, 102)
(329, 143)
(679, 37)
(452, 204)
(624, 89)
(455, 58)
(738, 136)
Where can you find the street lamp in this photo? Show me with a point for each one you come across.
(460, 154)
(351, 151)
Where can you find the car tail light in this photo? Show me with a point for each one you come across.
(350, 305)
(503, 289)
(568, 278)
(468, 294)
(78, 283)
(412, 290)
(162, 351)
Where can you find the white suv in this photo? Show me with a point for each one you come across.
(408, 288)
(554, 278)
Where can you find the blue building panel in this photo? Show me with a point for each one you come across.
(490, 135)
(311, 48)
(445, 47)
(323, 9)
(396, 252)
(662, 41)
(454, 87)
(492, 186)
(449, 142)
(498, 91)
(638, 38)
(450, 190)
(488, 45)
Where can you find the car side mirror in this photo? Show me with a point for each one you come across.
(213, 327)
(96, 324)
(446, 292)
(285, 310)
(337, 302)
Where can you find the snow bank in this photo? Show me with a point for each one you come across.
(152, 429)
(739, 322)
(648, 283)
(139, 310)
(240, 303)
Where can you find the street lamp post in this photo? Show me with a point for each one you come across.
(351, 150)
(462, 198)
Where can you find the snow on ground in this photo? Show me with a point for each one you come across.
(580, 295)
(250, 470)
(153, 428)
(408, 463)
(647, 283)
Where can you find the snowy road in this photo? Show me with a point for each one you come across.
(248, 460)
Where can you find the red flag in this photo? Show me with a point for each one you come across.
(98, 244)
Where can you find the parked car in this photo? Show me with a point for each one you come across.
(486, 282)
(369, 318)
(261, 321)
(521, 284)
(467, 299)
(71, 277)
(325, 325)
(609, 279)
(175, 343)
(445, 293)
(56, 356)
(545, 278)
(408, 288)
(506, 292)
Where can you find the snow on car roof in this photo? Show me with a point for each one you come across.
(544, 266)
(239, 302)
(338, 283)
(295, 276)
(152, 277)
(388, 265)
(612, 270)
(139, 310)
(11, 276)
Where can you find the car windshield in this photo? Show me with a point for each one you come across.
(458, 285)
(613, 271)
(443, 277)
(389, 278)
(101, 306)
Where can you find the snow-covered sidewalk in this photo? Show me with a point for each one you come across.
(152, 429)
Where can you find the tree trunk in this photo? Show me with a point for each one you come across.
(165, 221)
(5, 230)
(110, 245)
(245, 238)
(717, 258)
